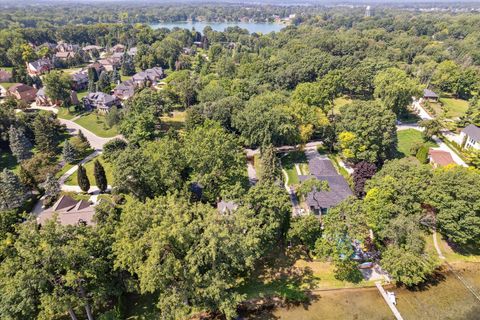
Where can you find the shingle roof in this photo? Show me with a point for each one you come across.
(441, 157)
(472, 131)
(69, 211)
(20, 87)
(427, 93)
(100, 97)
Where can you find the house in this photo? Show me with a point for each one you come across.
(124, 90)
(39, 67)
(22, 92)
(148, 77)
(97, 66)
(440, 158)
(5, 76)
(430, 95)
(65, 55)
(100, 101)
(80, 80)
(226, 206)
(67, 47)
(91, 48)
(117, 48)
(320, 201)
(68, 211)
(109, 64)
(42, 99)
(470, 137)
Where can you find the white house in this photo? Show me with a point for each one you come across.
(470, 136)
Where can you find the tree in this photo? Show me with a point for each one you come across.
(46, 129)
(127, 68)
(82, 178)
(431, 127)
(112, 148)
(81, 144)
(446, 76)
(103, 84)
(395, 89)
(100, 176)
(52, 190)
(13, 193)
(422, 154)
(367, 131)
(304, 230)
(69, 152)
(113, 117)
(312, 184)
(270, 166)
(453, 193)
(361, 173)
(58, 86)
(20, 145)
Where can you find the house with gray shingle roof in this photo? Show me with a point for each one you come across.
(101, 101)
(470, 137)
(148, 77)
(320, 201)
(68, 211)
(430, 95)
(39, 67)
(124, 90)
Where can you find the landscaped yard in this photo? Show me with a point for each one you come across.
(175, 120)
(72, 180)
(7, 85)
(408, 138)
(455, 107)
(67, 113)
(96, 124)
(288, 163)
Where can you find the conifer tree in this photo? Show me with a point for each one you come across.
(12, 192)
(103, 84)
(82, 179)
(69, 152)
(127, 68)
(100, 177)
(19, 143)
(269, 164)
(52, 189)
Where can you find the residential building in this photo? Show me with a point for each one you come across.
(22, 92)
(124, 90)
(101, 101)
(470, 137)
(5, 76)
(97, 66)
(320, 201)
(68, 211)
(109, 64)
(42, 99)
(117, 48)
(91, 48)
(67, 47)
(65, 55)
(430, 95)
(440, 158)
(80, 80)
(39, 67)
(149, 77)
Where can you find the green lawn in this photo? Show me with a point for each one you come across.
(408, 138)
(340, 102)
(9, 69)
(96, 124)
(7, 85)
(125, 78)
(175, 120)
(288, 163)
(67, 113)
(72, 180)
(455, 107)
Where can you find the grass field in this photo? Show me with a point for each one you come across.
(81, 94)
(7, 85)
(67, 113)
(455, 107)
(72, 180)
(175, 120)
(96, 124)
(340, 102)
(288, 163)
(408, 138)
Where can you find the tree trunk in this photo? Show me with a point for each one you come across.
(72, 314)
(89, 311)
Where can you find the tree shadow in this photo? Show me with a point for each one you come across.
(434, 280)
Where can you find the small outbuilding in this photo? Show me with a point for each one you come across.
(440, 158)
(430, 95)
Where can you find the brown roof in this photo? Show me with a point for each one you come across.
(441, 157)
(20, 87)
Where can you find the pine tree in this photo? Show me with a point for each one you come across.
(12, 192)
(82, 179)
(103, 84)
(52, 190)
(19, 143)
(100, 177)
(128, 67)
(69, 152)
(270, 165)
(115, 77)
(91, 86)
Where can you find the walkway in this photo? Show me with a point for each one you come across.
(296, 210)
(394, 309)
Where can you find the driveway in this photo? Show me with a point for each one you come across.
(421, 112)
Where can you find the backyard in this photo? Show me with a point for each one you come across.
(408, 138)
(96, 124)
(175, 120)
(449, 107)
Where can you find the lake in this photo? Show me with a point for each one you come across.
(221, 26)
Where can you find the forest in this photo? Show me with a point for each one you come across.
(332, 76)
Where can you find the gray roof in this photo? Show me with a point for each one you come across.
(40, 63)
(322, 169)
(41, 92)
(472, 131)
(226, 206)
(69, 212)
(100, 98)
(81, 76)
(427, 93)
(153, 74)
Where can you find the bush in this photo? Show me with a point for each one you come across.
(414, 148)
(422, 154)
(112, 148)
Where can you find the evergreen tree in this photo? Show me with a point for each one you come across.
(115, 77)
(69, 152)
(26, 178)
(128, 67)
(82, 179)
(92, 75)
(12, 192)
(19, 143)
(52, 190)
(45, 129)
(269, 164)
(91, 86)
(100, 177)
(103, 83)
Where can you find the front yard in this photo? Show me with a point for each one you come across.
(72, 180)
(408, 138)
(96, 124)
(289, 160)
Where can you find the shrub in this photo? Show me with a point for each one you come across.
(422, 154)
(112, 148)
